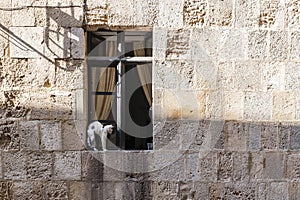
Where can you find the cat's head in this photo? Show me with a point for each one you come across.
(109, 129)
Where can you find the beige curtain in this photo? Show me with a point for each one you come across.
(106, 83)
(144, 71)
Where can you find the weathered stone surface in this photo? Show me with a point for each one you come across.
(6, 191)
(240, 191)
(246, 13)
(295, 45)
(195, 12)
(274, 165)
(18, 17)
(257, 44)
(27, 190)
(215, 108)
(268, 13)
(254, 135)
(284, 106)
(284, 136)
(58, 42)
(226, 76)
(225, 167)
(146, 12)
(9, 136)
(233, 106)
(159, 45)
(248, 76)
(178, 44)
(294, 190)
(67, 166)
(256, 166)
(193, 190)
(103, 190)
(14, 165)
(165, 188)
(216, 190)
(208, 165)
(29, 135)
(92, 168)
(56, 190)
(293, 166)
(292, 74)
(39, 165)
(77, 43)
(240, 166)
(166, 76)
(233, 44)
(172, 172)
(71, 137)
(64, 17)
(278, 190)
(220, 13)
(4, 44)
(262, 102)
(278, 45)
(273, 76)
(51, 135)
(236, 135)
(121, 13)
(170, 13)
(205, 75)
(295, 137)
(80, 190)
(26, 42)
(292, 14)
(204, 44)
(269, 136)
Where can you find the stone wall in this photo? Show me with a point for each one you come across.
(226, 101)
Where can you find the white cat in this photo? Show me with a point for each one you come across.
(97, 128)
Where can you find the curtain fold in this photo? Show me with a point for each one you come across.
(105, 78)
(144, 71)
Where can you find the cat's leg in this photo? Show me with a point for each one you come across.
(91, 140)
(104, 141)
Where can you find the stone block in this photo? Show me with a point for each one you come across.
(194, 108)
(171, 107)
(220, 13)
(6, 190)
(62, 104)
(215, 108)
(240, 166)
(178, 44)
(159, 43)
(125, 190)
(257, 106)
(192, 134)
(64, 17)
(14, 165)
(6, 17)
(246, 13)
(172, 172)
(208, 166)
(103, 190)
(236, 134)
(256, 166)
(273, 76)
(67, 166)
(279, 190)
(295, 45)
(195, 12)
(295, 137)
(51, 135)
(226, 76)
(166, 74)
(269, 136)
(92, 168)
(240, 191)
(294, 190)
(77, 43)
(4, 44)
(292, 74)
(204, 44)
(293, 167)
(27, 190)
(57, 42)
(268, 13)
(284, 106)
(234, 103)
(170, 14)
(18, 17)
(39, 166)
(146, 12)
(80, 190)
(257, 44)
(26, 42)
(9, 136)
(121, 13)
(56, 190)
(225, 166)
(69, 74)
(216, 190)
(262, 191)
(192, 167)
(162, 189)
(205, 77)
(97, 15)
(279, 46)
(284, 136)
(29, 135)
(292, 15)
(274, 165)
(254, 133)
(167, 135)
(248, 76)
(233, 44)
(193, 190)
(71, 137)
